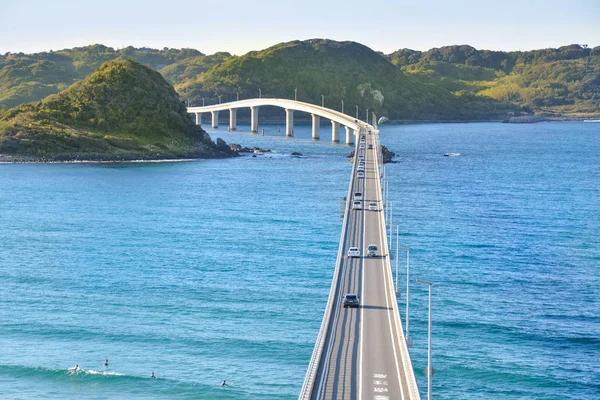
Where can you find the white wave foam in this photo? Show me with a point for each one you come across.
(93, 372)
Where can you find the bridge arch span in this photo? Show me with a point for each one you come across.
(353, 126)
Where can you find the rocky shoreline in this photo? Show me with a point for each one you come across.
(225, 151)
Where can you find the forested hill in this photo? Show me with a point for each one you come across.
(31, 77)
(122, 111)
(563, 81)
(454, 82)
(340, 71)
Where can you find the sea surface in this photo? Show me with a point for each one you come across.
(213, 270)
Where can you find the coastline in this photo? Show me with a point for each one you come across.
(95, 159)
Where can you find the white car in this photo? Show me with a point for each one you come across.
(353, 252)
(372, 250)
(358, 196)
(360, 174)
(361, 158)
(357, 205)
(361, 167)
(373, 206)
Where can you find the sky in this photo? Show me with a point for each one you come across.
(238, 26)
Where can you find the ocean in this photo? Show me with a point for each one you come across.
(212, 270)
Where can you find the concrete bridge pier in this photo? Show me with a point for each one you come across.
(289, 122)
(198, 118)
(215, 119)
(232, 119)
(335, 131)
(254, 119)
(316, 126)
(349, 135)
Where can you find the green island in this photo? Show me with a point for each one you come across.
(96, 102)
(122, 111)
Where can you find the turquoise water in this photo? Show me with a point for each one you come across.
(208, 270)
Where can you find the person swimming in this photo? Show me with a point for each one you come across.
(106, 363)
(224, 383)
(152, 375)
(75, 369)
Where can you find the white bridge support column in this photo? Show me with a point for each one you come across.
(215, 119)
(316, 126)
(349, 135)
(198, 118)
(289, 122)
(335, 131)
(254, 119)
(232, 119)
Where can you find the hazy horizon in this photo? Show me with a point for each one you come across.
(38, 26)
(275, 43)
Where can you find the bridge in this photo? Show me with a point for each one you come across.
(352, 125)
(360, 353)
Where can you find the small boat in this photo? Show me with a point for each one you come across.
(451, 154)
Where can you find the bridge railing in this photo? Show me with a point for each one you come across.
(323, 337)
(389, 287)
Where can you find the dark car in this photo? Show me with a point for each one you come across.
(351, 300)
(370, 146)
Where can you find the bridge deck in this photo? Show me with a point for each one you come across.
(363, 358)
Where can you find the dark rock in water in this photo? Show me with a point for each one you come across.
(241, 149)
(388, 155)
(235, 147)
(295, 153)
(224, 148)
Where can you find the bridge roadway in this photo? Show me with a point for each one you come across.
(364, 355)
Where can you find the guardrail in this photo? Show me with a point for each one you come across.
(323, 336)
(405, 356)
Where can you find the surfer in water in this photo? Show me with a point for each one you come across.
(152, 375)
(106, 363)
(75, 369)
(224, 383)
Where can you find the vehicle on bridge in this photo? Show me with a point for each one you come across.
(358, 196)
(360, 174)
(373, 206)
(370, 147)
(351, 300)
(357, 205)
(372, 250)
(353, 252)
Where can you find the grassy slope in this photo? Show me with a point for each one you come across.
(345, 71)
(549, 81)
(122, 110)
(31, 77)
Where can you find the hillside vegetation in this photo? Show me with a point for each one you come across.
(123, 110)
(341, 71)
(453, 82)
(30, 77)
(563, 81)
